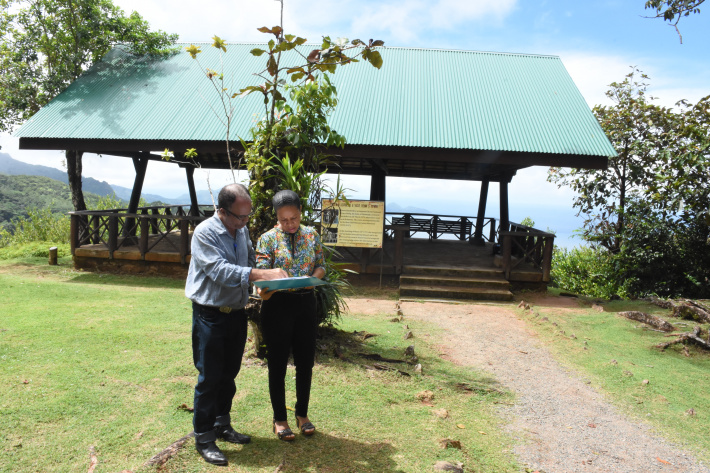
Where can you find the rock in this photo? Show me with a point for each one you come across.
(690, 412)
(409, 351)
(613, 362)
(628, 373)
(396, 319)
(544, 319)
(441, 413)
(521, 305)
(399, 312)
(396, 305)
(408, 335)
(645, 381)
(597, 307)
(448, 443)
(418, 368)
(447, 466)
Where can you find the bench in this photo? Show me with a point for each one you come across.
(435, 226)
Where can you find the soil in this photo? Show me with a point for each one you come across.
(561, 424)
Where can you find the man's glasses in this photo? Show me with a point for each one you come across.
(238, 217)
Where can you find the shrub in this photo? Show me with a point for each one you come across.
(37, 249)
(588, 271)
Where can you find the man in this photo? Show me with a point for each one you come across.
(221, 268)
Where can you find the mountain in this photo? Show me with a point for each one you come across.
(203, 197)
(395, 207)
(20, 193)
(13, 167)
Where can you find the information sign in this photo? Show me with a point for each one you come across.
(354, 224)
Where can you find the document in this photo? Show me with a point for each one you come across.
(290, 283)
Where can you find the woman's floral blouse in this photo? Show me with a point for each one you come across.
(299, 254)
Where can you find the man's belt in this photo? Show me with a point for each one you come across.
(225, 309)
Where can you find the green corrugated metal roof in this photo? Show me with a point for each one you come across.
(420, 98)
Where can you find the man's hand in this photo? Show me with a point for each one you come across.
(267, 274)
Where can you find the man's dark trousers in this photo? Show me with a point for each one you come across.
(218, 341)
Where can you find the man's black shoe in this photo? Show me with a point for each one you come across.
(211, 453)
(230, 435)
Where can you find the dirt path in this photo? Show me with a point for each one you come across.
(555, 408)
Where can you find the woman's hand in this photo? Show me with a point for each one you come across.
(264, 293)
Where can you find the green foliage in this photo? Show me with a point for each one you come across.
(528, 222)
(40, 225)
(671, 10)
(649, 209)
(47, 44)
(588, 271)
(665, 255)
(35, 249)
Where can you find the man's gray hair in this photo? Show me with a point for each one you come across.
(231, 193)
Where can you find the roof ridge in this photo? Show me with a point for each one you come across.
(409, 48)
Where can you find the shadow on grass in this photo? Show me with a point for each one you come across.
(322, 453)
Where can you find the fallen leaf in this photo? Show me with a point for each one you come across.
(663, 461)
(185, 407)
(482, 432)
(594, 426)
(460, 426)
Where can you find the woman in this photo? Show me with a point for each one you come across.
(288, 318)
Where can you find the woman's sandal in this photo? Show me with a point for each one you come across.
(286, 434)
(307, 428)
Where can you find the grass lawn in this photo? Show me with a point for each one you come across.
(93, 360)
(618, 355)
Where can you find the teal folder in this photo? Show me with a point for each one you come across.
(290, 283)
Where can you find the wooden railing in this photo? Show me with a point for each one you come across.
(435, 226)
(522, 244)
(146, 228)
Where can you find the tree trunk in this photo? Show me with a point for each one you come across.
(73, 158)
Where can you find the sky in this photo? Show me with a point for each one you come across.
(597, 41)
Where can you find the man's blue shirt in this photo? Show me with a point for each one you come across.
(220, 265)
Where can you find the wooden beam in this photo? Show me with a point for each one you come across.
(194, 209)
(504, 218)
(480, 217)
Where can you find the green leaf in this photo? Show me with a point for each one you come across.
(257, 52)
(289, 37)
(264, 29)
(375, 59)
(377, 43)
(193, 50)
(219, 43)
(271, 66)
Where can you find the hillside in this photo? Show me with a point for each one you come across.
(19, 193)
(14, 167)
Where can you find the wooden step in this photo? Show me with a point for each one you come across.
(448, 292)
(412, 270)
(454, 281)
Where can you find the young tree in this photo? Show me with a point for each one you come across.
(47, 44)
(649, 208)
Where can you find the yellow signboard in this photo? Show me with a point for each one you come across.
(354, 224)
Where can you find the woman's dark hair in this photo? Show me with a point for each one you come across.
(286, 198)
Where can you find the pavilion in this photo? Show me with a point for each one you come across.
(441, 114)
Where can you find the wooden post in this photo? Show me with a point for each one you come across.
(140, 164)
(184, 240)
(547, 258)
(53, 255)
(194, 209)
(378, 184)
(504, 219)
(73, 232)
(507, 242)
(492, 236)
(95, 220)
(112, 235)
(399, 231)
(480, 217)
(143, 242)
